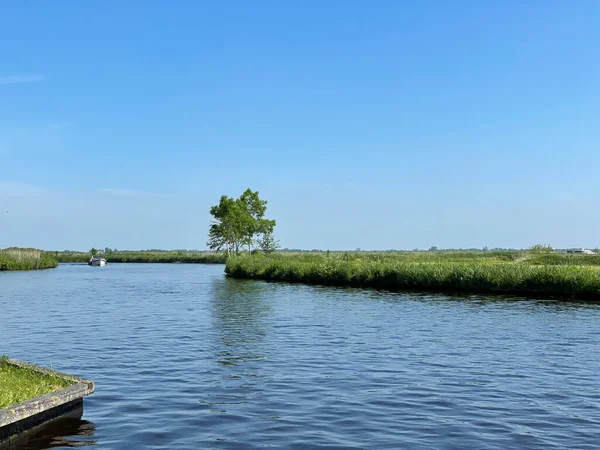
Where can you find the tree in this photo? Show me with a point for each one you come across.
(225, 231)
(253, 208)
(540, 248)
(268, 243)
(238, 222)
(94, 251)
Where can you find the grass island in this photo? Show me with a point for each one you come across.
(19, 383)
(514, 273)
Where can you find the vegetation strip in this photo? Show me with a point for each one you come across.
(486, 272)
(18, 383)
(26, 259)
(113, 256)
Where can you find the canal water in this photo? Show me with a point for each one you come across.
(184, 358)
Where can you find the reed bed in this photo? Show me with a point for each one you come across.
(26, 259)
(146, 257)
(482, 273)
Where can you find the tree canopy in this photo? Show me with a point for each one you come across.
(239, 222)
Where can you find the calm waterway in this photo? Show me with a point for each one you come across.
(184, 358)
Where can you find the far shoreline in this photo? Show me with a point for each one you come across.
(142, 256)
(532, 274)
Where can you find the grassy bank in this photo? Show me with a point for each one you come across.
(26, 259)
(145, 257)
(485, 272)
(18, 384)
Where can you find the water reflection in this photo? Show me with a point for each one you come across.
(239, 314)
(475, 301)
(68, 431)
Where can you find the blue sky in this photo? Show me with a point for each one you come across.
(364, 124)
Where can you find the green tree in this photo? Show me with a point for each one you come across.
(225, 230)
(238, 222)
(540, 248)
(253, 209)
(268, 243)
(94, 251)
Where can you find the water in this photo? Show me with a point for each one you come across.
(184, 358)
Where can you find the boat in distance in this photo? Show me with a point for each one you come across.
(96, 261)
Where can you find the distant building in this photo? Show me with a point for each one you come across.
(584, 251)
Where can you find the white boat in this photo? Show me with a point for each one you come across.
(96, 261)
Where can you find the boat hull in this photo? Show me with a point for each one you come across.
(97, 262)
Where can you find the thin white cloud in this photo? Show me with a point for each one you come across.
(130, 193)
(19, 79)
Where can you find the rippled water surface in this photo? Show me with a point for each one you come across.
(184, 358)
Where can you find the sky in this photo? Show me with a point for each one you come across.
(372, 125)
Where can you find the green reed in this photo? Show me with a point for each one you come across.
(482, 272)
(26, 259)
(146, 257)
